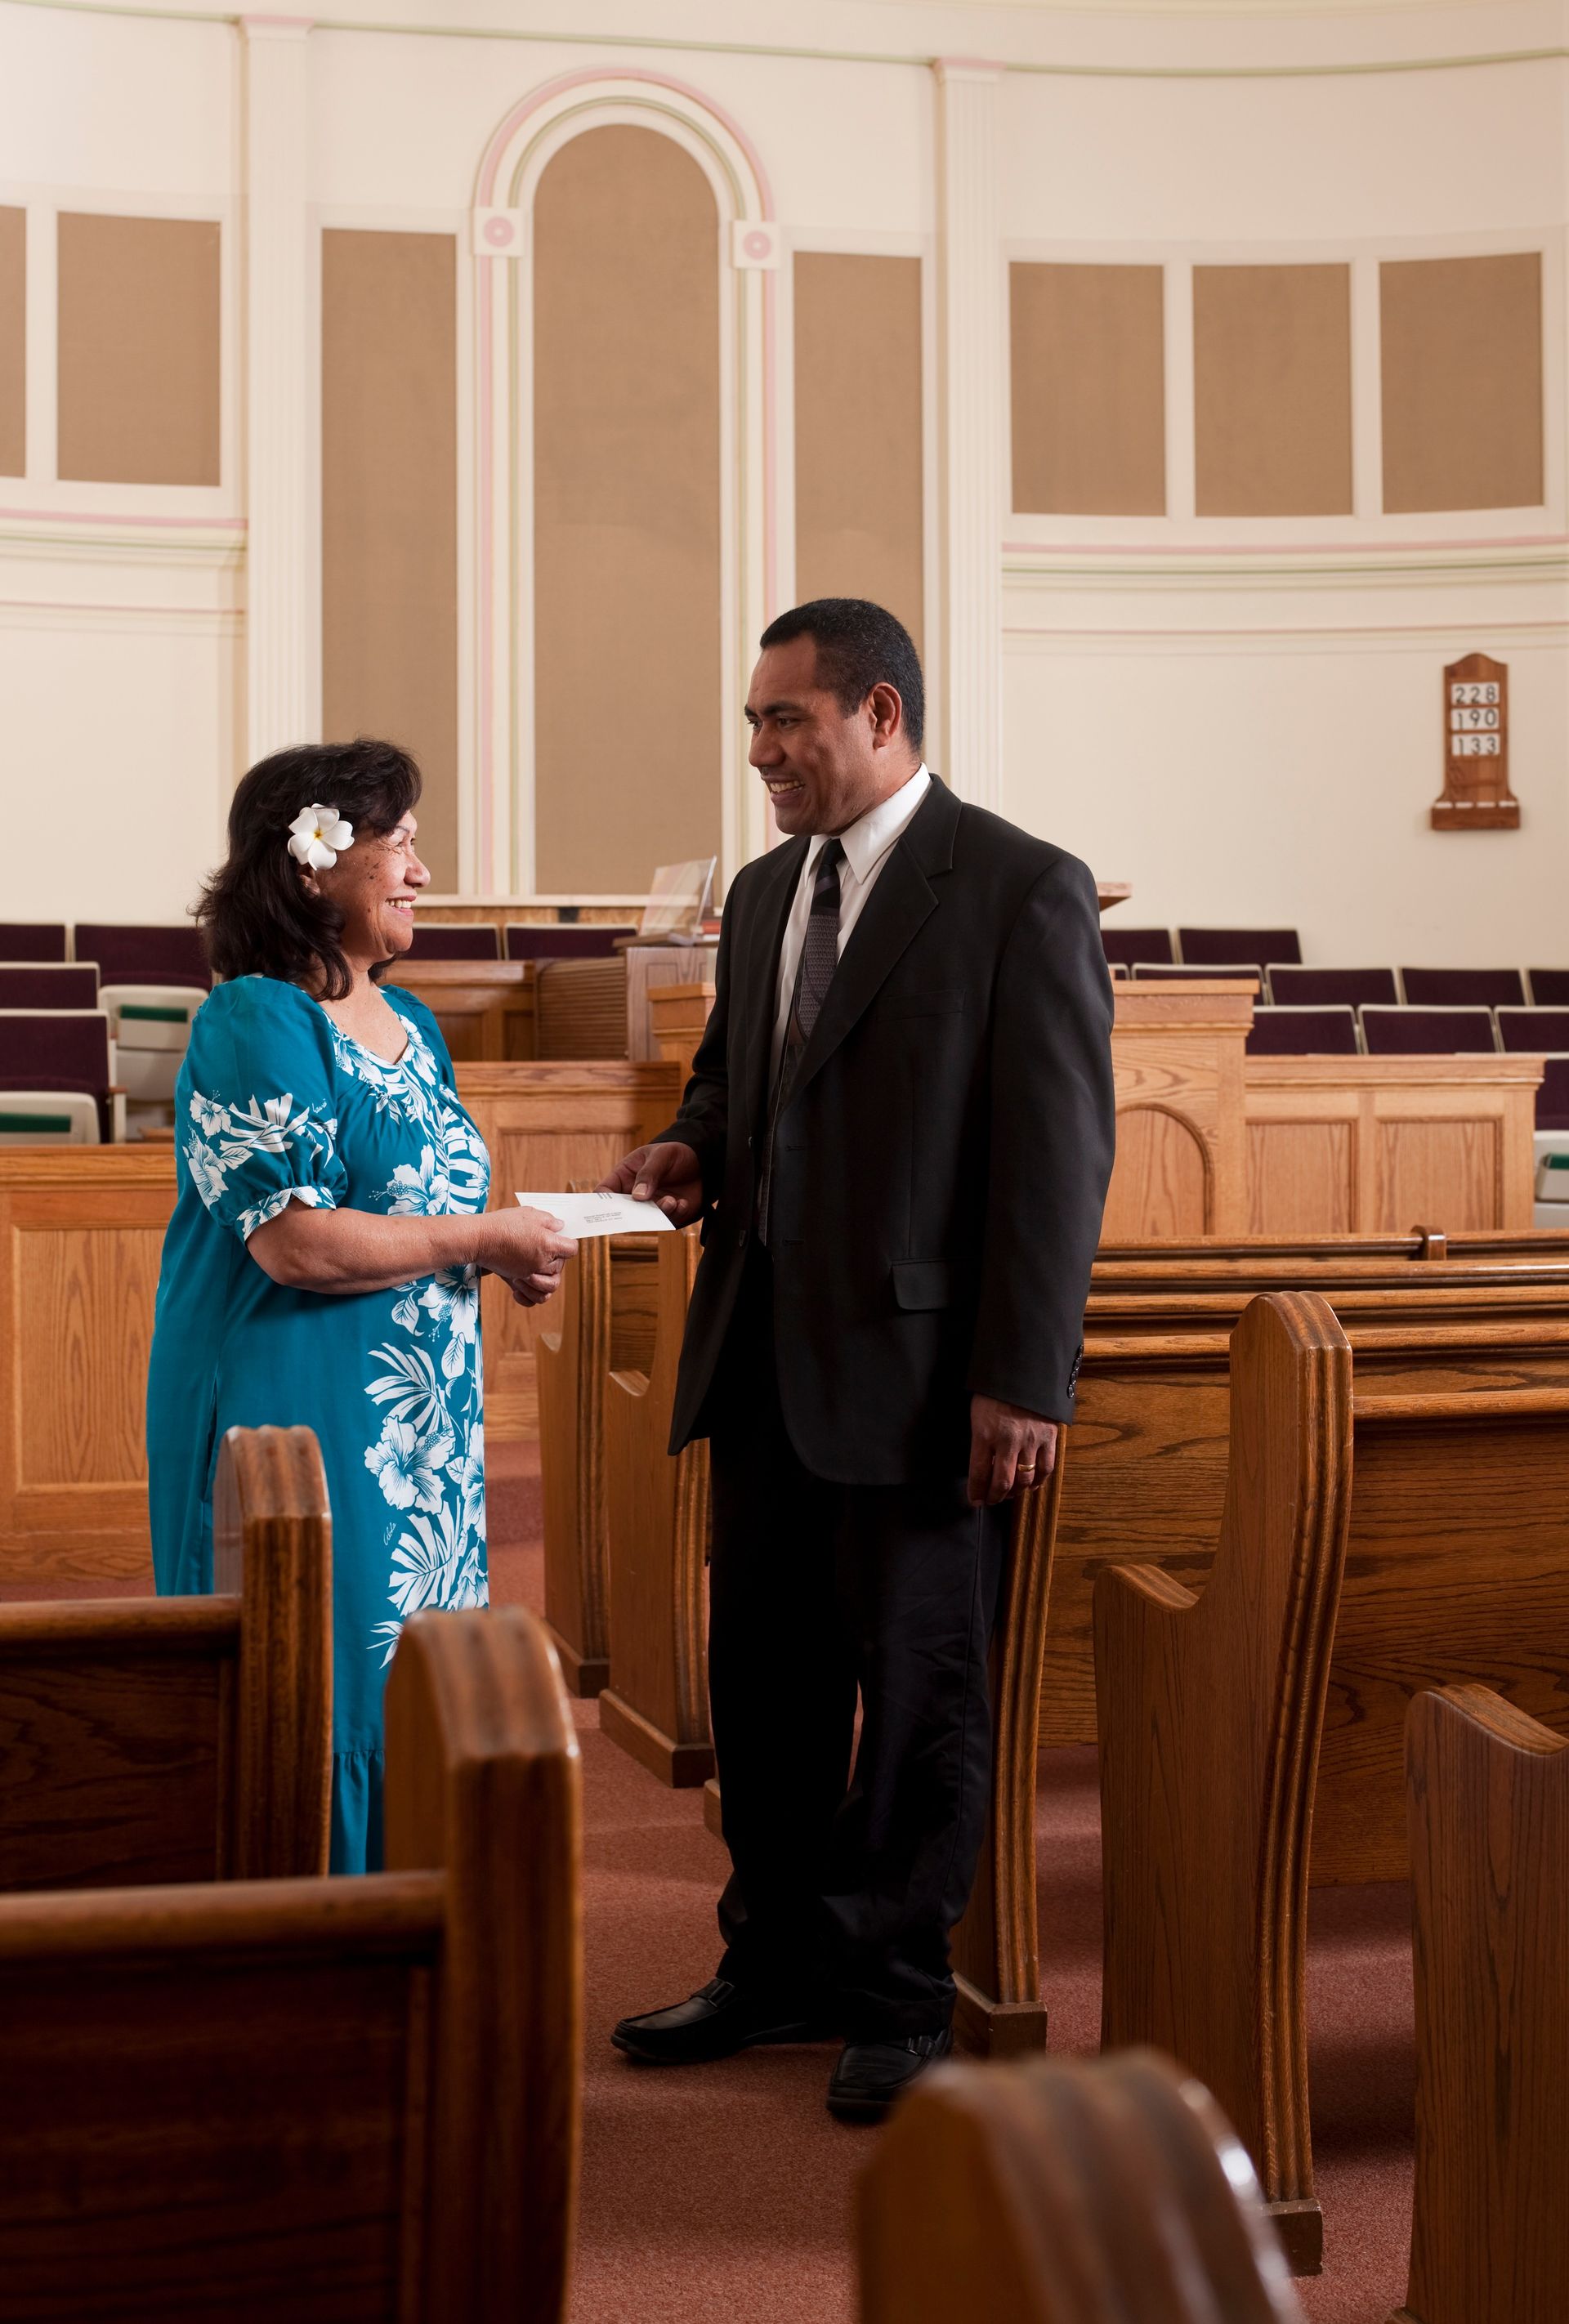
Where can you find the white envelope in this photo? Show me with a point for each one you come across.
(600, 1215)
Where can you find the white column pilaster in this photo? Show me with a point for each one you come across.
(972, 407)
(279, 341)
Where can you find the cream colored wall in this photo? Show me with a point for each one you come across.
(1240, 717)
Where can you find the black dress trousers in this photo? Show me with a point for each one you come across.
(853, 1858)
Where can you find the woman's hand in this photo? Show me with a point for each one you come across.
(527, 1249)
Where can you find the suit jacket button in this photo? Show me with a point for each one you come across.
(741, 1237)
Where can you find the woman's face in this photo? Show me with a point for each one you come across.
(373, 884)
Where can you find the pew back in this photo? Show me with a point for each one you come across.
(1065, 2194)
(333, 2100)
(186, 1738)
(1488, 1798)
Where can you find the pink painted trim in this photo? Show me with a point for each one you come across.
(1272, 547)
(769, 462)
(147, 523)
(583, 78)
(489, 171)
(486, 865)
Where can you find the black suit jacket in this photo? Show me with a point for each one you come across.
(941, 1166)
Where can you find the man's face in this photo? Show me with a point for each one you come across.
(820, 765)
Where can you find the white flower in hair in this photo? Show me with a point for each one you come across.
(318, 838)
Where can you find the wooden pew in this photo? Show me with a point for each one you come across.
(1489, 1799)
(1148, 1475)
(182, 1738)
(320, 2099)
(1269, 1707)
(1065, 2194)
(485, 1007)
(655, 1704)
(604, 1319)
(1282, 1263)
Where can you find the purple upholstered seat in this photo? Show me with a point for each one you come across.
(32, 940)
(57, 1051)
(1553, 1097)
(1463, 988)
(558, 940)
(452, 940)
(138, 953)
(1533, 1031)
(1292, 986)
(1549, 987)
(1198, 946)
(1427, 1032)
(49, 984)
(1292, 1032)
(1130, 944)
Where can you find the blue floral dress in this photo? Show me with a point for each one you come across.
(275, 1104)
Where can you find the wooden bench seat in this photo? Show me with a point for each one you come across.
(324, 2099)
(1065, 2194)
(182, 1738)
(1267, 1710)
(1488, 1802)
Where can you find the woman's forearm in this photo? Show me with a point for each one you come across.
(345, 1252)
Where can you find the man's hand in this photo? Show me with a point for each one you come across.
(1011, 1450)
(666, 1174)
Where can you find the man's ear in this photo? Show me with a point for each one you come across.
(887, 715)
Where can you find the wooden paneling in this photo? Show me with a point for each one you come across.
(627, 671)
(13, 342)
(859, 470)
(1376, 1145)
(546, 1125)
(140, 349)
(1462, 341)
(81, 1233)
(1271, 352)
(484, 1008)
(388, 508)
(1300, 1177)
(1088, 367)
(1177, 1056)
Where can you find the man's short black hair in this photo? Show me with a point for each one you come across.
(860, 645)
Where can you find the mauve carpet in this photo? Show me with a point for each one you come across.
(722, 2194)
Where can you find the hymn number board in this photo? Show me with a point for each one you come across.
(1476, 748)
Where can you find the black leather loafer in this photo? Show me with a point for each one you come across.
(870, 2075)
(718, 2020)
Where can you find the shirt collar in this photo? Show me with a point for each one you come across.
(869, 838)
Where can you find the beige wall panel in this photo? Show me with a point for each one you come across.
(628, 747)
(1462, 382)
(1088, 357)
(140, 352)
(389, 509)
(13, 343)
(1271, 348)
(858, 431)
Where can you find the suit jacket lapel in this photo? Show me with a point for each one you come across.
(901, 899)
(764, 937)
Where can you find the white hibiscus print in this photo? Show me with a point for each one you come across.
(467, 1473)
(408, 1466)
(452, 1299)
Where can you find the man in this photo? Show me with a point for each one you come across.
(897, 1134)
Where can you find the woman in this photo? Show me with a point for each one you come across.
(329, 1230)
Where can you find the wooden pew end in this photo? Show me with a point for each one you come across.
(682, 1765)
(986, 2028)
(713, 1810)
(583, 1676)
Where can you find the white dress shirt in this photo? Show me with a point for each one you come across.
(867, 844)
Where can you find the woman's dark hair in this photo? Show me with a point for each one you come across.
(860, 645)
(256, 915)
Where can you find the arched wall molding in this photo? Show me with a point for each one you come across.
(519, 152)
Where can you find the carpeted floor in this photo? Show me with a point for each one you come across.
(722, 2195)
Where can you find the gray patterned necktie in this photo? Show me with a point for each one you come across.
(813, 973)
